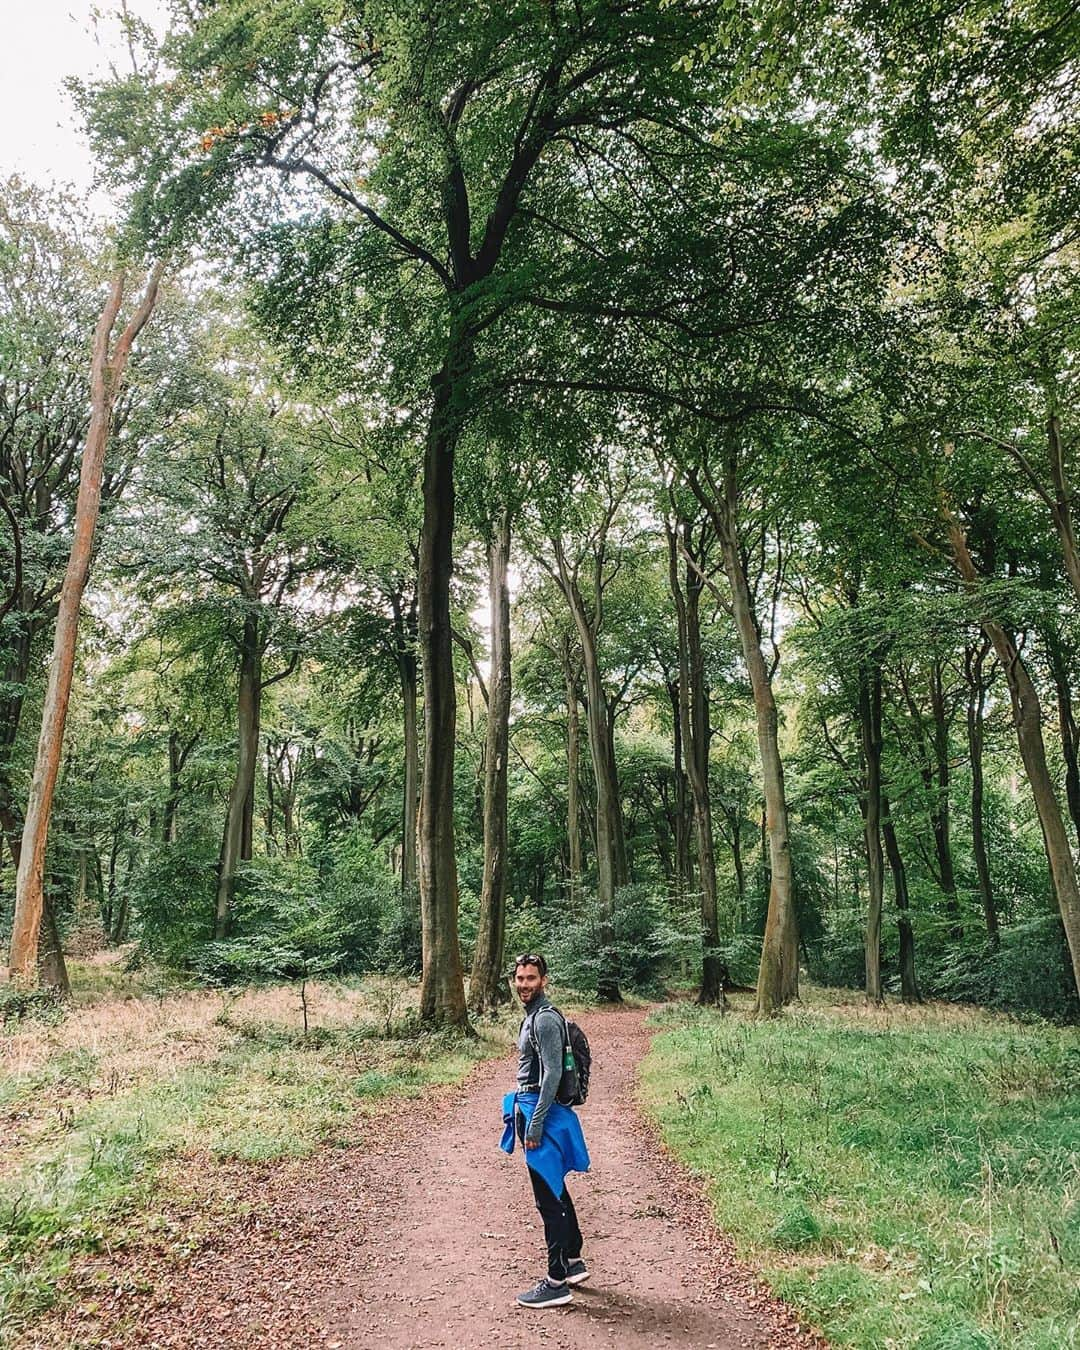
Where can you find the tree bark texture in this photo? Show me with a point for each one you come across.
(1027, 718)
(243, 785)
(778, 973)
(941, 816)
(106, 376)
(573, 777)
(977, 686)
(870, 726)
(1070, 748)
(610, 838)
(486, 986)
(909, 986)
(694, 721)
(406, 636)
(442, 991)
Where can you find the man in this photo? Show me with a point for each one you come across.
(550, 1133)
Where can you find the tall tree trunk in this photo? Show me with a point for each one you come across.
(172, 799)
(106, 375)
(870, 725)
(682, 821)
(735, 822)
(486, 986)
(1059, 669)
(406, 640)
(610, 837)
(778, 974)
(977, 686)
(573, 777)
(941, 816)
(442, 991)
(247, 716)
(694, 721)
(909, 987)
(1063, 499)
(1027, 716)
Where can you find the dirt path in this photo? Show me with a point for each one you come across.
(423, 1239)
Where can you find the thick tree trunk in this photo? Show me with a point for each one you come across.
(573, 778)
(442, 992)
(486, 986)
(870, 725)
(107, 372)
(977, 686)
(52, 968)
(1027, 717)
(909, 987)
(694, 722)
(247, 709)
(778, 974)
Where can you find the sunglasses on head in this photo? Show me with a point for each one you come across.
(531, 959)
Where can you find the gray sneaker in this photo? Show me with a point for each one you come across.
(547, 1294)
(577, 1272)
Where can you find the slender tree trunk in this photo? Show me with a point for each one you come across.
(573, 778)
(442, 992)
(107, 372)
(247, 707)
(778, 974)
(1066, 724)
(682, 822)
(172, 800)
(870, 723)
(1063, 498)
(486, 986)
(610, 837)
(909, 988)
(694, 720)
(735, 822)
(1027, 716)
(941, 816)
(973, 662)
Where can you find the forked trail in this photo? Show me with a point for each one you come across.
(423, 1239)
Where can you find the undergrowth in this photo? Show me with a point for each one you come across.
(907, 1180)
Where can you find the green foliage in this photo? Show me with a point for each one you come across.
(1027, 971)
(649, 944)
(21, 1003)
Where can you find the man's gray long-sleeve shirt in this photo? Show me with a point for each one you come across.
(545, 1068)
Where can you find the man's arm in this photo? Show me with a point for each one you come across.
(548, 1033)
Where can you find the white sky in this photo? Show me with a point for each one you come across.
(42, 43)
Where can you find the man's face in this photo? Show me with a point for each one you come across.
(528, 982)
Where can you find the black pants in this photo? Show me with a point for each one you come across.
(561, 1231)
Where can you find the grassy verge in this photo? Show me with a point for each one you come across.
(93, 1107)
(909, 1179)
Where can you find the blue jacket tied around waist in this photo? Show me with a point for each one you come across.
(562, 1148)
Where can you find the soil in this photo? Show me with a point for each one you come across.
(421, 1235)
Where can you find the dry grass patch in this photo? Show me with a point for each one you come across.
(92, 1108)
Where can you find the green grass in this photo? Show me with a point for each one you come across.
(908, 1180)
(95, 1138)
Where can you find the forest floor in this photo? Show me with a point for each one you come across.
(417, 1232)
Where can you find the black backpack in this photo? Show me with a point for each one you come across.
(577, 1061)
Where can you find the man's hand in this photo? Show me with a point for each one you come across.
(532, 1143)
